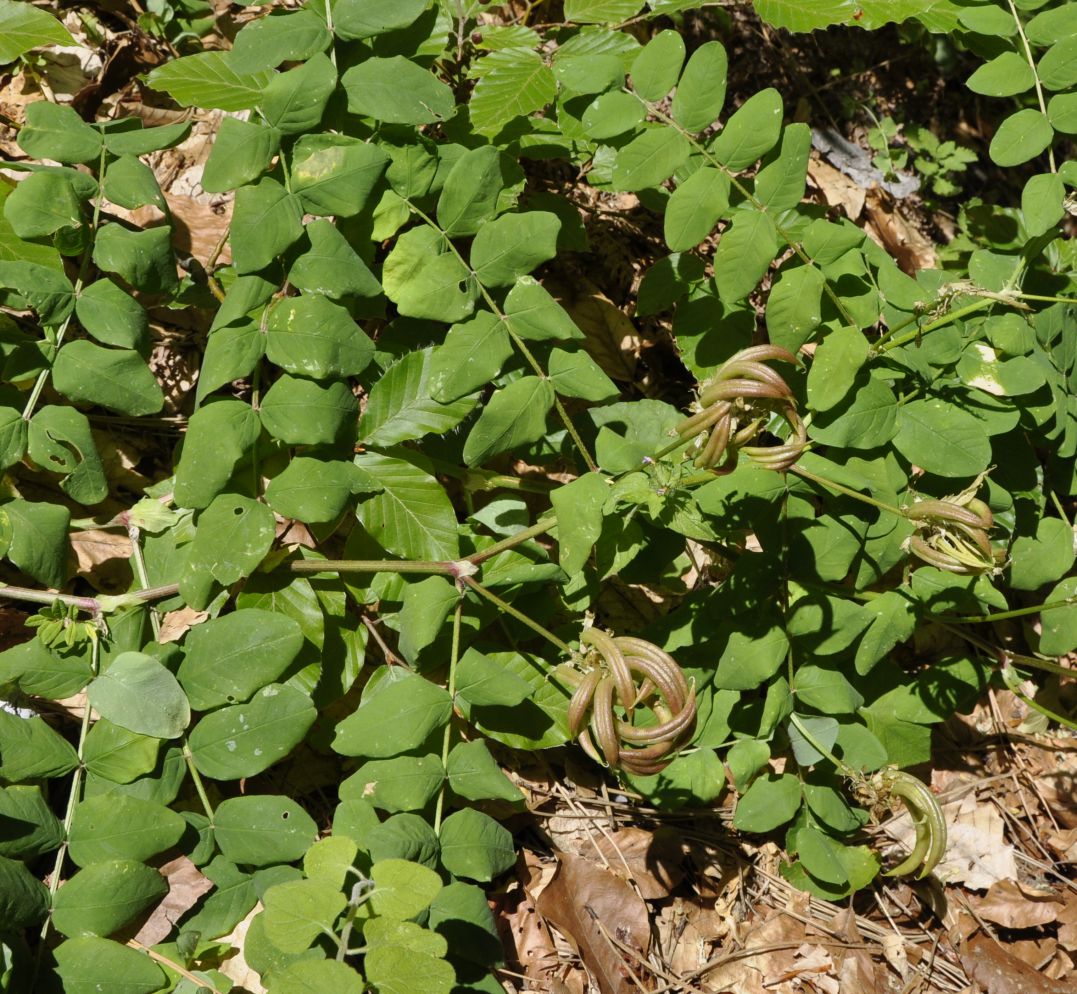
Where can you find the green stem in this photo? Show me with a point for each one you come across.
(848, 491)
(843, 768)
(445, 568)
(517, 614)
(1039, 298)
(88, 604)
(1035, 75)
(516, 340)
(539, 528)
(143, 576)
(199, 786)
(1019, 612)
(885, 346)
(1013, 684)
(84, 268)
(446, 741)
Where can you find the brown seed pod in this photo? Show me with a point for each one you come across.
(952, 534)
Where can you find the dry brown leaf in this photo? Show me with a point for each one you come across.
(1009, 905)
(652, 859)
(611, 338)
(176, 624)
(588, 905)
(765, 953)
(997, 972)
(837, 189)
(235, 968)
(103, 558)
(910, 249)
(812, 964)
(186, 884)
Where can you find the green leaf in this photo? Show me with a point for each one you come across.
(354, 19)
(231, 657)
(137, 693)
(1043, 558)
(835, 366)
(426, 605)
(218, 436)
(576, 374)
(745, 251)
(41, 672)
(1062, 111)
(260, 829)
(612, 114)
(89, 965)
(396, 718)
(1059, 625)
(47, 291)
(865, 420)
(41, 204)
(266, 42)
(695, 207)
(513, 245)
(142, 258)
(745, 759)
(413, 516)
(407, 783)
(38, 540)
(208, 80)
(769, 802)
(470, 357)
(1022, 136)
(30, 749)
(130, 183)
(1058, 67)
(533, 314)
(30, 829)
(310, 976)
(23, 27)
(657, 68)
(942, 438)
(55, 131)
(425, 279)
(14, 432)
(397, 91)
(794, 306)
(402, 889)
(313, 490)
(331, 266)
(60, 441)
(24, 900)
(518, 83)
(471, 191)
(804, 15)
(245, 739)
(401, 405)
(826, 690)
(302, 412)
(112, 316)
(103, 897)
(475, 846)
(109, 827)
(241, 152)
(474, 775)
(750, 658)
(751, 132)
(1052, 25)
(266, 220)
(334, 174)
(578, 506)
(312, 336)
(701, 91)
(821, 856)
(1042, 203)
(234, 534)
(483, 683)
(298, 911)
(894, 621)
(514, 415)
(600, 11)
(650, 159)
(128, 136)
(294, 101)
(398, 970)
(118, 755)
(1005, 75)
(780, 184)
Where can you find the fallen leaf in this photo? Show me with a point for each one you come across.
(186, 884)
(908, 246)
(176, 624)
(589, 905)
(1006, 904)
(652, 859)
(997, 972)
(103, 558)
(611, 338)
(837, 189)
(235, 967)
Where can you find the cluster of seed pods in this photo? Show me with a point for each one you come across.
(628, 673)
(736, 406)
(953, 535)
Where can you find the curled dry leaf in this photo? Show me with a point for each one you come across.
(596, 910)
(651, 859)
(186, 884)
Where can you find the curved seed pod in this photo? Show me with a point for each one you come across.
(764, 353)
(615, 661)
(748, 432)
(732, 389)
(581, 700)
(679, 723)
(602, 721)
(927, 817)
(754, 371)
(942, 510)
(704, 419)
(656, 655)
(657, 678)
(584, 738)
(712, 453)
(977, 506)
(919, 548)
